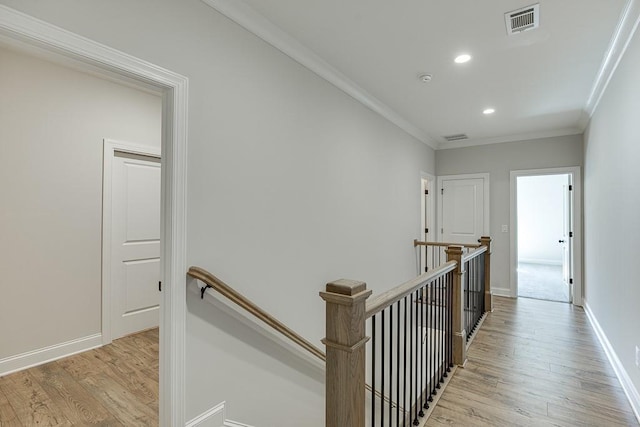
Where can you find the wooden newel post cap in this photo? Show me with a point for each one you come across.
(345, 292)
(346, 287)
(453, 250)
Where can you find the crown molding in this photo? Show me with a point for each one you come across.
(626, 28)
(245, 16)
(510, 138)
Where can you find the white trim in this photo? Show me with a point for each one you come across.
(48, 354)
(576, 253)
(252, 21)
(510, 138)
(627, 25)
(486, 177)
(541, 261)
(217, 410)
(627, 385)
(501, 292)
(229, 423)
(18, 26)
(109, 149)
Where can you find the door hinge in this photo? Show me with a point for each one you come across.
(442, 231)
(571, 281)
(426, 269)
(159, 286)
(426, 192)
(571, 188)
(442, 191)
(571, 234)
(426, 230)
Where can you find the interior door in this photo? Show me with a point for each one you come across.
(135, 242)
(463, 210)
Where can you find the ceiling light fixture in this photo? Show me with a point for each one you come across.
(488, 111)
(461, 59)
(425, 78)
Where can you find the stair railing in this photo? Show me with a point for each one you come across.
(418, 333)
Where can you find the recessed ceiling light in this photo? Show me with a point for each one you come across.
(461, 59)
(489, 111)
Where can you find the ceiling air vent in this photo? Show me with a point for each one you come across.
(457, 137)
(523, 19)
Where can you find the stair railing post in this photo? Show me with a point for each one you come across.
(488, 296)
(454, 253)
(345, 342)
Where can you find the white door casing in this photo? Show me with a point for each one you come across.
(39, 36)
(427, 230)
(463, 208)
(574, 240)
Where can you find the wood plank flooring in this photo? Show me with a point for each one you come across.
(534, 363)
(115, 385)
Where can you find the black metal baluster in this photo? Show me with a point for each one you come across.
(450, 305)
(391, 365)
(373, 370)
(382, 328)
(439, 329)
(398, 366)
(417, 353)
(427, 356)
(410, 354)
(404, 397)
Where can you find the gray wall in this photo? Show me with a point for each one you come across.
(291, 184)
(498, 160)
(52, 123)
(612, 206)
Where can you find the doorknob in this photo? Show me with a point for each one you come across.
(561, 241)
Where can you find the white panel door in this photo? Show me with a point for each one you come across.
(463, 210)
(135, 243)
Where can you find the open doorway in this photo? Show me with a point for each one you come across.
(27, 34)
(544, 220)
(543, 237)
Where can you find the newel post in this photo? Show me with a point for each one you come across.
(488, 296)
(454, 253)
(345, 342)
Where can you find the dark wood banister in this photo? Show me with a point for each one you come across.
(242, 301)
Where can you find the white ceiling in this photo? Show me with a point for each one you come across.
(539, 81)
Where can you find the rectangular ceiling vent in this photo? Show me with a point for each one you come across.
(457, 137)
(523, 19)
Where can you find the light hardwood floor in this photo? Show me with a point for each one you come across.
(534, 363)
(115, 385)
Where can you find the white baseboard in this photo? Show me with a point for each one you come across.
(229, 423)
(210, 417)
(627, 385)
(540, 261)
(48, 354)
(501, 292)
(214, 417)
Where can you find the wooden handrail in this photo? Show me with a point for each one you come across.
(243, 302)
(476, 252)
(385, 299)
(445, 244)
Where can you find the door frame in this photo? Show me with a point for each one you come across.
(39, 37)
(576, 222)
(110, 147)
(486, 200)
(427, 209)
(428, 212)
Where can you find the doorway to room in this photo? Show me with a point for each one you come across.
(544, 234)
